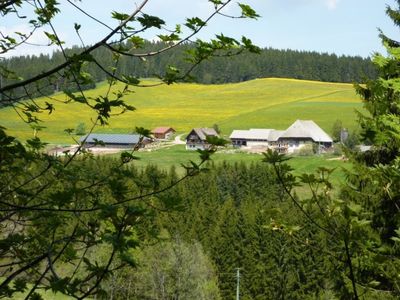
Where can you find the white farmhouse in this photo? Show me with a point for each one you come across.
(255, 137)
(297, 135)
(302, 132)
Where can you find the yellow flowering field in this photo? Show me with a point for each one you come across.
(261, 103)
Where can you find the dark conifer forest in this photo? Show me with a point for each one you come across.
(247, 66)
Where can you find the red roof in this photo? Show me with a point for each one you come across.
(162, 130)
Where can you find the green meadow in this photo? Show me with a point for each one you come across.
(176, 156)
(261, 103)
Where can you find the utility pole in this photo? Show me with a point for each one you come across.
(237, 283)
(1, 85)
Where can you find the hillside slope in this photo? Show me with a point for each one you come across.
(263, 103)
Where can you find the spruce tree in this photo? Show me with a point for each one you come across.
(361, 226)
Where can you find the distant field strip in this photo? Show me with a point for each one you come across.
(281, 115)
(265, 103)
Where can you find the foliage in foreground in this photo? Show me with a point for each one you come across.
(56, 212)
(362, 225)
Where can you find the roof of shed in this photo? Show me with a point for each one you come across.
(275, 135)
(127, 139)
(162, 129)
(257, 134)
(202, 133)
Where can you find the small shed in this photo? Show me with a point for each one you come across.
(163, 133)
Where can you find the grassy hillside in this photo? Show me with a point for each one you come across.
(177, 155)
(263, 103)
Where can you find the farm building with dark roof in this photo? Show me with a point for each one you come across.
(197, 138)
(112, 140)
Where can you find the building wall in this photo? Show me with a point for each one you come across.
(294, 144)
(169, 135)
(250, 143)
(196, 146)
(159, 135)
(257, 143)
(164, 136)
(106, 145)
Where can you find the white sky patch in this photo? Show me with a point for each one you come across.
(284, 24)
(332, 4)
(36, 44)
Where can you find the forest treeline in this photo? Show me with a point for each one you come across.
(225, 219)
(189, 241)
(269, 63)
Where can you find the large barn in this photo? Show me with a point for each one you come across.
(300, 133)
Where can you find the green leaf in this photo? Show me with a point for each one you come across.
(355, 208)
(76, 98)
(20, 284)
(249, 46)
(136, 41)
(395, 239)
(248, 12)
(292, 229)
(35, 143)
(216, 141)
(119, 16)
(215, 2)
(195, 23)
(169, 38)
(308, 178)
(131, 79)
(148, 21)
(36, 296)
(204, 154)
(191, 169)
(273, 157)
(171, 75)
(98, 142)
(374, 283)
(128, 258)
(86, 57)
(69, 130)
(59, 285)
(360, 223)
(127, 157)
(143, 131)
(53, 38)
(226, 41)
(49, 107)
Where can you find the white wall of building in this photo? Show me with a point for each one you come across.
(257, 144)
(195, 147)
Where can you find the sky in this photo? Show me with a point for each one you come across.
(343, 27)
